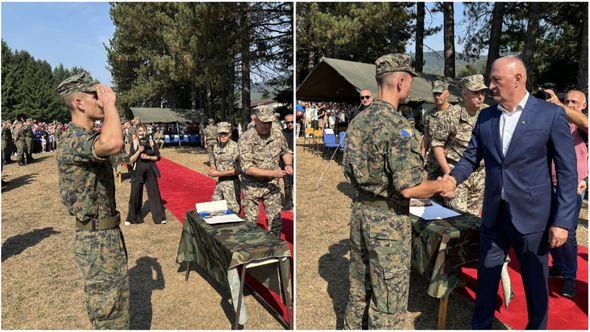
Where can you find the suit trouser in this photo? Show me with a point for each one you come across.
(565, 258)
(531, 250)
(154, 199)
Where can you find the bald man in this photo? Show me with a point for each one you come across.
(565, 258)
(517, 138)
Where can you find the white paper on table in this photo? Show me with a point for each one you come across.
(211, 206)
(435, 211)
(226, 218)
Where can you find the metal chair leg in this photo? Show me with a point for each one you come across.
(240, 296)
(285, 294)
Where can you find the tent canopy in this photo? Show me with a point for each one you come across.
(341, 80)
(168, 115)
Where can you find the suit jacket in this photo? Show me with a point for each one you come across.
(542, 135)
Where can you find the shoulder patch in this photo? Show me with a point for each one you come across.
(407, 132)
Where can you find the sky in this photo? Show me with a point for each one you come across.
(436, 41)
(73, 33)
(68, 33)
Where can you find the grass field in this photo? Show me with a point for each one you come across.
(323, 214)
(43, 289)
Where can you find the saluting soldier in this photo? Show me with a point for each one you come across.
(87, 189)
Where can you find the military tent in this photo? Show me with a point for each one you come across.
(341, 80)
(168, 115)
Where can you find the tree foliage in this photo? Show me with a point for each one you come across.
(29, 86)
(350, 31)
(556, 41)
(188, 55)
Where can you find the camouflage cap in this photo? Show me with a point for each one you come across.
(265, 114)
(394, 62)
(81, 82)
(438, 86)
(473, 82)
(224, 127)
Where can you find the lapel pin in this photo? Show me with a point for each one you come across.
(523, 122)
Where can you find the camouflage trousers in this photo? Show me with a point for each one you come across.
(379, 269)
(270, 194)
(101, 256)
(29, 148)
(468, 196)
(230, 191)
(209, 145)
(20, 151)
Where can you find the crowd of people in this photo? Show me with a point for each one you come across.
(22, 138)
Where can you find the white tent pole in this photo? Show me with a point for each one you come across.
(178, 131)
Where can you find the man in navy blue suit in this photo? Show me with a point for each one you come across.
(518, 138)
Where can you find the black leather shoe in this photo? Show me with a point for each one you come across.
(569, 287)
(554, 272)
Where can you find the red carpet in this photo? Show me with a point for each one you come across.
(181, 188)
(564, 313)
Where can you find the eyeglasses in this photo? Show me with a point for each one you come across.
(289, 122)
(365, 97)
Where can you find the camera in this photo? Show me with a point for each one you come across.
(541, 94)
(147, 148)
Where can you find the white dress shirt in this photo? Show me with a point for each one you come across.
(508, 122)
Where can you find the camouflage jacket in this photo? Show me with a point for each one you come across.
(58, 130)
(6, 137)
(86, 182)
(381, 153)
(264, 153)
(28, 131)
(17, 132)
(211, 133)
(453, 132)
(225, 158)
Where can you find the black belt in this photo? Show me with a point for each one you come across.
(228, 178)
(99, 223)
(402, 208)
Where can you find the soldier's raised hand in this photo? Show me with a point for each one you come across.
(105, 95)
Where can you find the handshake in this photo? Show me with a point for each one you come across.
(448, 185)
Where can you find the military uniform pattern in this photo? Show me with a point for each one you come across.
(19, 141)
(453, 133)
(432, 119)
(102, 258)
(381, 157)
(28, 135)
(210, 137)
(264, 153)
(226, 158)
(87, 189)
(7, 143)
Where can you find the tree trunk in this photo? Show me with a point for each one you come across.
(449, 37)
(530, 41)
(582, 79)
(495, 34)
(419, 63)
(245, 51)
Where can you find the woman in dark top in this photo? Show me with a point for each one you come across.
(143, 155)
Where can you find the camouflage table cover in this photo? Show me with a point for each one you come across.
(221, 248)
(441, 247)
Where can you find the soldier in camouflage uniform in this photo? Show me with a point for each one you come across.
(261, 149)
(440, 94)
(450, 138)
(87, 189)
(223, 164)
(19, 140)
(28, 135)
(210, 136)
(382, 160)
(58, 132)
(6, 142)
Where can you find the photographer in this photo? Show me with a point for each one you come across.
(143, 155)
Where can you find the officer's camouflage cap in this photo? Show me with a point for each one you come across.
(473, 82)
(265, 114)
(224, 127)
(438, 86)
(81, 82)
(394, 62)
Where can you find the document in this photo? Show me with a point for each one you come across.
(216, 212)
(432, 212)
